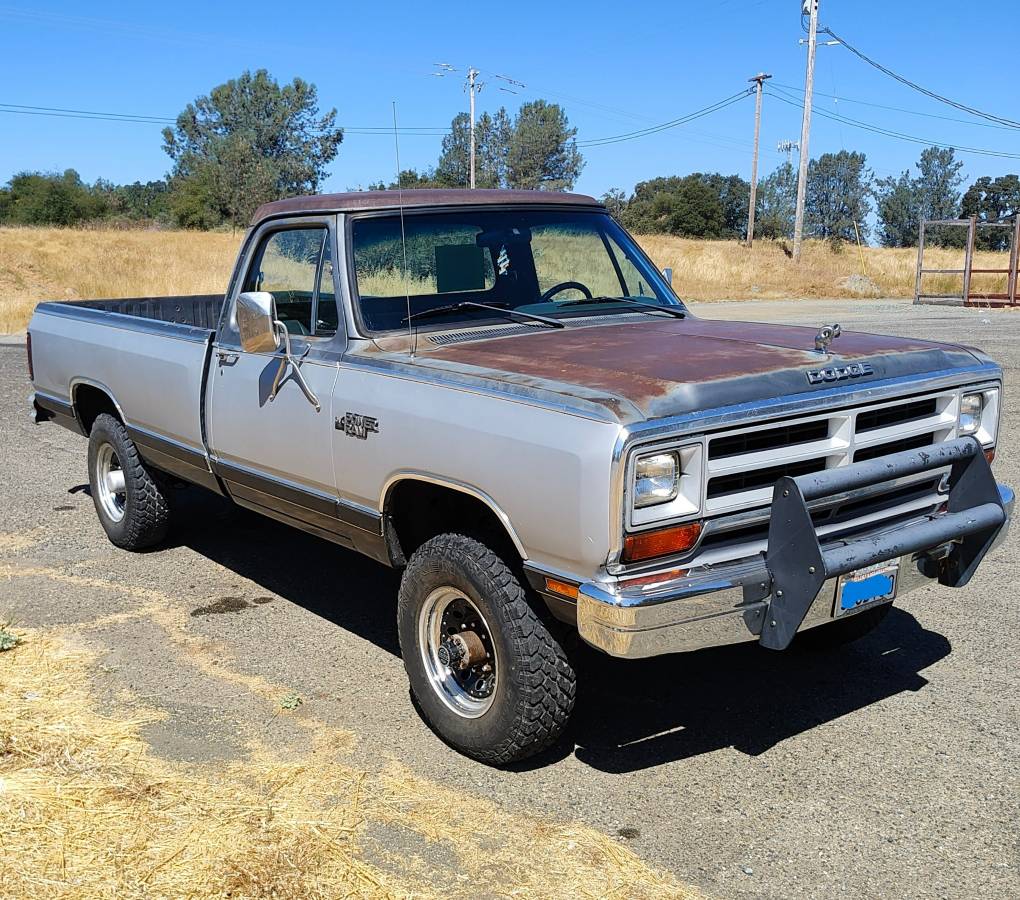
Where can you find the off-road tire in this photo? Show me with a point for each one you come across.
(535, 683)
(844, 631)
(146, 508)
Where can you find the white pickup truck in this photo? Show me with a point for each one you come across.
(498, 393)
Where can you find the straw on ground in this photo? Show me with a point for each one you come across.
(86, 809)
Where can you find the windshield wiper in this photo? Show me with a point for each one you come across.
(471, 304)
(674, 311)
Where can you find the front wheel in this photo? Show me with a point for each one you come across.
(487, 672)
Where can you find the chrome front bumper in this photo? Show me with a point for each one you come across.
(724, 605)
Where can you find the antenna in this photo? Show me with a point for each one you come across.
(403, 238)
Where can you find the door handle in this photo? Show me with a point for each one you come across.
(227, 358)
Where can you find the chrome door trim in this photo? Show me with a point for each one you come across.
(315, 502)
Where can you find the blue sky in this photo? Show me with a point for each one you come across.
(616, 67)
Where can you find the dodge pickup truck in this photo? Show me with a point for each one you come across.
(499, 394)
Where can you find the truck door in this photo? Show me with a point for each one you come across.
(274, 452)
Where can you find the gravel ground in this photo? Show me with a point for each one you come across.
(885, 769)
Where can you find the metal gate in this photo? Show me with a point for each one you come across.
(968, 296)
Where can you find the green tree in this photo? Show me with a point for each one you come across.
(410, 179)
(452, 170)
(37, 198)
(899, 210)
(933, 194)
(838, 196)
(939, 181)
(497, 133)
(699, 205)
(734, 194)
(193, 202)
(776, 203)
(142, 201)
(615, 201)
(536, 150)
(543, 154)
(992, 199)
(249, 141)
(691, 206)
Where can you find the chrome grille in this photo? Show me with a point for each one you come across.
(743, 464)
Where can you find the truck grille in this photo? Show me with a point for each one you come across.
(742, 465)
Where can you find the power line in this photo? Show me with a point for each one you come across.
(900, 109)
(917, 87)
(888, 132)
(63, 113)
(664, 126)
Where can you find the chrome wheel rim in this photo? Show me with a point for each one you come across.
(110, 486)
(467, 687)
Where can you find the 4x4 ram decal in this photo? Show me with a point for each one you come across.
(356, 425)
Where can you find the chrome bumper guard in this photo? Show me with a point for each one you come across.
(792, 585)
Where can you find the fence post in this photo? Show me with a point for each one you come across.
(1011, 284)
(968, 258)
(920, 262)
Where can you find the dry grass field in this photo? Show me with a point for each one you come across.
(74, 264)
(87, 809)
(66, 264)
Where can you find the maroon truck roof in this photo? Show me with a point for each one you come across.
(357, 201)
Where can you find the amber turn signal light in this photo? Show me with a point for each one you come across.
(661, 542)
(563, 588)
(990, 455)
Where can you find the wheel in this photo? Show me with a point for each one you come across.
(486, 671)
(130, 499)
(843, 631)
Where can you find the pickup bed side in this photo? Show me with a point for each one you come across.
(150, 357)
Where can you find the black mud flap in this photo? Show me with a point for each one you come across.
(799, 566)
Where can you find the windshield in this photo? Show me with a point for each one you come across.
(551, 263)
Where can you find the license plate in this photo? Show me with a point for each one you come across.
(865, 587)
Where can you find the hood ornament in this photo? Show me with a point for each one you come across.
(826, 335)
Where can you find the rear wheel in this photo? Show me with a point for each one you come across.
(131, 500)
(488, 674)
(843, 631)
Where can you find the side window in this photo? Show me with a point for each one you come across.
(287, 266)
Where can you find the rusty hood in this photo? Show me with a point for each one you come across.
(656, 368)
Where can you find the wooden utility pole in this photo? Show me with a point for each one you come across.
(758, 79)
(811, 7)
(472, 76)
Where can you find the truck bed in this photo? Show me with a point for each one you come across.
(149, 353)
(199, 310)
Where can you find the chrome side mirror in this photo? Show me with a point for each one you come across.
(256, 321)
(668, 275)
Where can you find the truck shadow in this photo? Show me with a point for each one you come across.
(339, 585)
(635, 714)
(630, 715)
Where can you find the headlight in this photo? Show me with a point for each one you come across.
(656, 479)
(971, 408)
(979, 415)
(665, 484)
